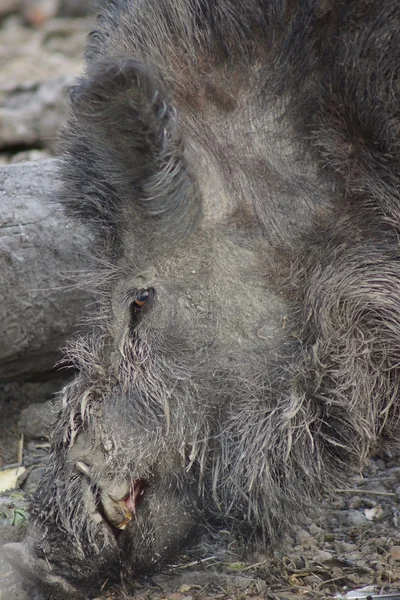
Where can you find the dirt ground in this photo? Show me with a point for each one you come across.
(352, 544)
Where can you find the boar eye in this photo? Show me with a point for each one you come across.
(142, 299)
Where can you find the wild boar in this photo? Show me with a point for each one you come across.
(237, 165)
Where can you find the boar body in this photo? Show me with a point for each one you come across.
(237, 165)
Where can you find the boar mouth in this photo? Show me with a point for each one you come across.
(119, 513)
(112, 515)
(115, 505)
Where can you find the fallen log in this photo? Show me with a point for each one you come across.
(41, 254)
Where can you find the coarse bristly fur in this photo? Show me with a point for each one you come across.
(239, 160)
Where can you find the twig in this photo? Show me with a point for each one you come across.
(321, 585)
(259, 564)
(371, 492)
(20, 448)
(194, 563)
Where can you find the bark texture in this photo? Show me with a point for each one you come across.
(41, 255)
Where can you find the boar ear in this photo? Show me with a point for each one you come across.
(32, 569)
(124, 150)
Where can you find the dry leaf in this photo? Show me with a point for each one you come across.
(374, 514)
(9, 478)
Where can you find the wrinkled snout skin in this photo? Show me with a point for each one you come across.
(237, 166)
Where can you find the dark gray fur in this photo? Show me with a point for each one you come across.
(241, 157)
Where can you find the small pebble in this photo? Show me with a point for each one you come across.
(346, 547)
(356, 502)
(397, 491)
(380, 463)
(395, 552)
(185, 587)
(315, 530)
(305, 540)
(322, 556)
(32, 481)
(351, 518)
(37, 12)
